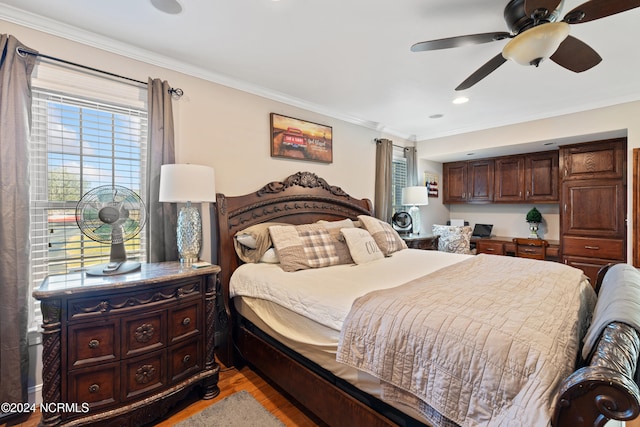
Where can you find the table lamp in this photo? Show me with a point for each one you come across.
(414, 197)
(187, 183)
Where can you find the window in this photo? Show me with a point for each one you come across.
(79, 143)
(398, 179)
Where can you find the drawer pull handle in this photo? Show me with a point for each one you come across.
(144, 332)
(186, 321)
(529, 251)
(595, 248)
(186, 359)
(94, 344)
(490, 249)
(94, 388)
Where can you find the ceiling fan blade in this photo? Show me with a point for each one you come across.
(575, 55)
(596, 9)
(459, 41)
(482, 72)
(537, 8)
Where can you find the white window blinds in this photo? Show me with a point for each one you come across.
(87, 131)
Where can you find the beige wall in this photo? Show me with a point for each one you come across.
(618, 120)
(229, 129)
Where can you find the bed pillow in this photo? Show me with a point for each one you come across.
(252, 242)
(334, 227)
(387, 239)
(303, 246)
(270, 257)
(453, 238)
(362, 246)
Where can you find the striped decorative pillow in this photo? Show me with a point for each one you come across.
(387, 239)
(301, 247)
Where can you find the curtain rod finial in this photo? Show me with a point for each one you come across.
(176, 92)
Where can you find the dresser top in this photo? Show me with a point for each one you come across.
(149, 273)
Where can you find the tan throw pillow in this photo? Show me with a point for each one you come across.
(387, 239)
(337, 238)
(361, 244)
(303, 246)
(453, 238)
(252, 242)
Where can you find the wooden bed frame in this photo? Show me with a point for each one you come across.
(605, 388)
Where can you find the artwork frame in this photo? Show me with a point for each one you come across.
(299, 139)
(431, 181)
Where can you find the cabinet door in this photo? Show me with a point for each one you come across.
(455, 182)
(541, 177)
(480, 182)
(509, 178)
(598, 160)
(594, 208)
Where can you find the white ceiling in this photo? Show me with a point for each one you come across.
(350, 59)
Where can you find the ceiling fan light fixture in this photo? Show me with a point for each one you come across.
(536, 44)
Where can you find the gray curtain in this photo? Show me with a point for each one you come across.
(410, 153)
(383, 197)
(162, 218)
(15, 122)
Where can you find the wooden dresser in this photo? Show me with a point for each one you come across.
(123, 349)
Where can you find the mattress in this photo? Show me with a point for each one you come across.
(305, 310)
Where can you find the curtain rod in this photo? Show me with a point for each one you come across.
(22, 51)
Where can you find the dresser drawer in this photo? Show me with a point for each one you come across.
(489, 247)
(99, 386)
(92, 343)
(144, 333)
(594, 248)
(184, 359)
(144, 374)
(183, 321)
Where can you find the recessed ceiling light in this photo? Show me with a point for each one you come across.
(167, 6)
(436, 116)
(461, 100)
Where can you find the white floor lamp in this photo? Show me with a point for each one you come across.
(186, 183)
(414, 197)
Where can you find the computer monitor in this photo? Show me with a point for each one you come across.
(482, 230)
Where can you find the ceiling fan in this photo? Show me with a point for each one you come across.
(536, 34)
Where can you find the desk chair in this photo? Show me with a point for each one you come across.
(531, 248)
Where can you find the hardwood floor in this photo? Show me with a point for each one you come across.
(231, 381)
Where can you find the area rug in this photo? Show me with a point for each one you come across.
(238, 410)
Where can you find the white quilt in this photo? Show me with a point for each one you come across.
(325, 295)
(485, 342)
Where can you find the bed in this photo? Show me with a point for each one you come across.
(295, 341)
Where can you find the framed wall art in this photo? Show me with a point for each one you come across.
(299, 139)
(431, 182)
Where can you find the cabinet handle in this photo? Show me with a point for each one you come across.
(490, 249)
(529, 251)
(144, 332)
(186, 359)
(595, 248)
(94, 388)
(94, 344)
(186, 321)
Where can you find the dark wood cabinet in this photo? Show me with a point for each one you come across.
(454, 182)
(593, 204)
(128, 346)
(541, 177)
(468, 182)
(509, 179)
(527, 178)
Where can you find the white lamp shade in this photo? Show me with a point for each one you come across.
(415, 196)
(536, 43)
(181, 183)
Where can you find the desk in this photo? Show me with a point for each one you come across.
(501, 245)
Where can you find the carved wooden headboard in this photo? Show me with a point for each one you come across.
(301, 198)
